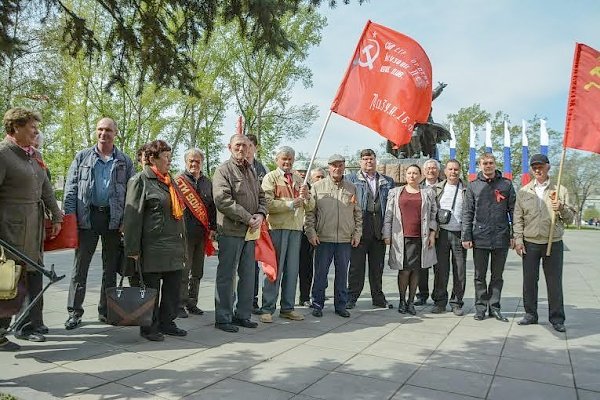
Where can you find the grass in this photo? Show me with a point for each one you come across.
(4, 396)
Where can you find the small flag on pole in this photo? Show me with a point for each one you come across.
(525, 178)
(452, 143)
(488, 137)
(472, 153)
(387, 86)
(582, 129)
(543, 138)
(507, 170)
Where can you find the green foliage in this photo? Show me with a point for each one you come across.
(590, 213)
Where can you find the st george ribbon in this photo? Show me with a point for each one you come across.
(387, 86)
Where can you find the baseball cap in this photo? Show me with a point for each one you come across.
(539, 159)
(335, 158)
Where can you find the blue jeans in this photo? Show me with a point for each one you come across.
(324, 253)
(287, 248)
(235, 255)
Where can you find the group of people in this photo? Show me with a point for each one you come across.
(166, 226)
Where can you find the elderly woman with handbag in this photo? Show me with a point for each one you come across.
(409, 228)
(25, 192)
(154, 235)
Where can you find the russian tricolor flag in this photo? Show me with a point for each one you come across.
(472, 153)
(507, 170)
(488, 137)
(452, 143)
(525, 178)
(543, 138)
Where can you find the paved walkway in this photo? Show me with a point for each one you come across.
(375, 354)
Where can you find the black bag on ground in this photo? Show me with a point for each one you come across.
(131, 306)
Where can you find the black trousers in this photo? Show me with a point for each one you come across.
(88, 241)
(375, 250)
(553, 266)
(305, 269)
(488, 296)
(193, 270)
(423, 284)
(165, 308)
(256, 285)
(449, 247)
(34, 318)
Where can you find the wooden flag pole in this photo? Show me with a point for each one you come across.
(560, 170)
(314, 155)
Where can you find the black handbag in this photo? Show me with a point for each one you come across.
(443, 216)
(131, 306)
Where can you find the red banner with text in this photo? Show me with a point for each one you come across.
(387, 86)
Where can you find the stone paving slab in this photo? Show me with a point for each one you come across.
(374, 354)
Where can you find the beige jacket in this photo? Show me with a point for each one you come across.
(392, 228)
(533, 217)
(280, 195)
(336, 217)
(238, 196)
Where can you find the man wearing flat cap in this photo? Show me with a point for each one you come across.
(334, 226)
(536, 203)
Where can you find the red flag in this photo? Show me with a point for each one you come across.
(582, 129)
(265, 253)
(387, 86)
(67, 238)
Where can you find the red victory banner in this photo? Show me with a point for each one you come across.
(582, 130)
(387, 86)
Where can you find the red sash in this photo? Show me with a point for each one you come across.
(194, 203)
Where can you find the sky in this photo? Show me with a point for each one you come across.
(509, 55)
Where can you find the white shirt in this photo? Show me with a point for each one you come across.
(446, 203)
(540, 188)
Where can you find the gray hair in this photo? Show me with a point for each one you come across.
(432, 161)
(285, 150)
(192, 151)
(318, 169)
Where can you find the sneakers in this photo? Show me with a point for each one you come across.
(7, 345)
(293, 315)
(72, 322)
(266, 318)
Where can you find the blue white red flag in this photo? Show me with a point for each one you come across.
(472, 153)
(507, 170)
(543, 138)
(525, 178)
(452, 143)
(488, 137)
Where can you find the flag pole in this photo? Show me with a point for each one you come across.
(314, 155)
(560, 170)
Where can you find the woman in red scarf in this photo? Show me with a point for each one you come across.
(153, 229)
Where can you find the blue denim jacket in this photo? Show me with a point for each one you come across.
(79, 187)
(384, 185)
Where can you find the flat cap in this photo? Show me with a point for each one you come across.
(539, 159)
(335, 158)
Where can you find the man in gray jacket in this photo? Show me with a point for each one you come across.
(241, 207)
(334, 226)
(95, 192)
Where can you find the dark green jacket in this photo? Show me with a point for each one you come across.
(149, 227)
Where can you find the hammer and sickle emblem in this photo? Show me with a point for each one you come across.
(594, 72)
(370, 52)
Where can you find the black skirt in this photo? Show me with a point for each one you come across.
(412, 253)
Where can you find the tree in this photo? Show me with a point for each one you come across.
(581, 178)
(261, 82)
(153, 36)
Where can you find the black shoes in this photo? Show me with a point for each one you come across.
(350, 305)
(402, 307)
(7, 345)
(256, 310)
(181, 313)
(421, 302)
(245, 323)
(227, 327)
(173, 331)
(385, 304)
(458, 311)
(102, 319)
(479, 316)
(43, 329)
(528, 320)
(73, 322)
(410, 308)
(559, 327)
(343, 313)
(438, 309)
(498, 315)
(153, 336)
(317, 312)
(194, 310)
